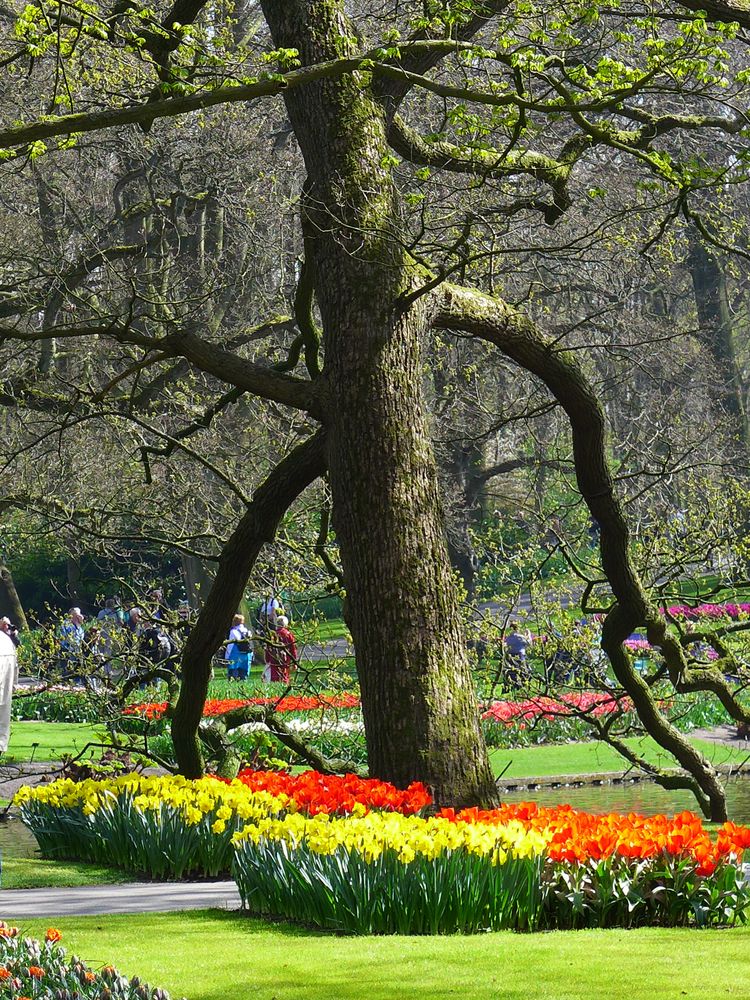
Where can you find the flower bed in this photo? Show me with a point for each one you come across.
(31, 968)
(518, 867)
(220, 706)
(60, 703)
(387, 873)
(315, 793)
(355, 855)
(712, 612)
(568, 705)
(169, 827)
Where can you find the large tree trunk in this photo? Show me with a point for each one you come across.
(197, 578)
(418, 700)
(10, 602)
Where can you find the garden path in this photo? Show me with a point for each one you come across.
(726, 734)
(135, 897)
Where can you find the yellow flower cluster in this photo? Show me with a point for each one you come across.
(192, 799)
(407, 836)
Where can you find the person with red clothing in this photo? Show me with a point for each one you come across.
(281, 652)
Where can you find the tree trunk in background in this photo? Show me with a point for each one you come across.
(10, 603)
(716, 330)
(197, 578)
(463, 468)
(418, 698)
(74, 576)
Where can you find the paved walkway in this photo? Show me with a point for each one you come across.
(136, 897)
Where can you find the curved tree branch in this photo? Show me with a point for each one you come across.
(444, 155)
(257, 527)
(493, 320)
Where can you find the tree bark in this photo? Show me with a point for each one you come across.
(197, 579)
(257, 526)
(716, 333)
(418, 701)
(10, 602)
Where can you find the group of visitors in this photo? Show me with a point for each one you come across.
(273, 640)
(560, 661)
(120, 640)
(116, 635)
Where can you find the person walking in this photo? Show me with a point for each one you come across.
(7, 675)
(71, 645)
(239, 654)
(281, 652)
(516, 645)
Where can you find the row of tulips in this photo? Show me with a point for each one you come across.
(391, 874)
(170, 827)
(31, 969)
(315, 793)
(503, 710)
(591, 702)
(730, 609)
(220, 706)
(342, 853)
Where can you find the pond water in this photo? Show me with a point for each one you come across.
(642, 797)
(16, 840)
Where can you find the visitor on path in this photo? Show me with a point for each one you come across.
(281, 653)
(7, 676)
(133, 621)
(558, 661)
(11, 631)
(516, 645)
(71, 644)
(156, 597)
(268, 613)
(109, 622)
(156, 645)
(239, 654)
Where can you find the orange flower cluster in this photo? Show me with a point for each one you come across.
(316, 793)
(220, 706)
(580, 837)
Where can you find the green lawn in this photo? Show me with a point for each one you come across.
(325, 631)
(210, 955)
(584, 758)
(35, 873)
(48, 740)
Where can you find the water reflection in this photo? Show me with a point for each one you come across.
(16, 840)
(643, 797)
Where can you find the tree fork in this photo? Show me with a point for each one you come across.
(418, 700)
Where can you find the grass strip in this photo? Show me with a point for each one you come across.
(48, 740)
(212, 955)
(593, 757)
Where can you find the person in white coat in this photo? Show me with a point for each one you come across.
(7, 676)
